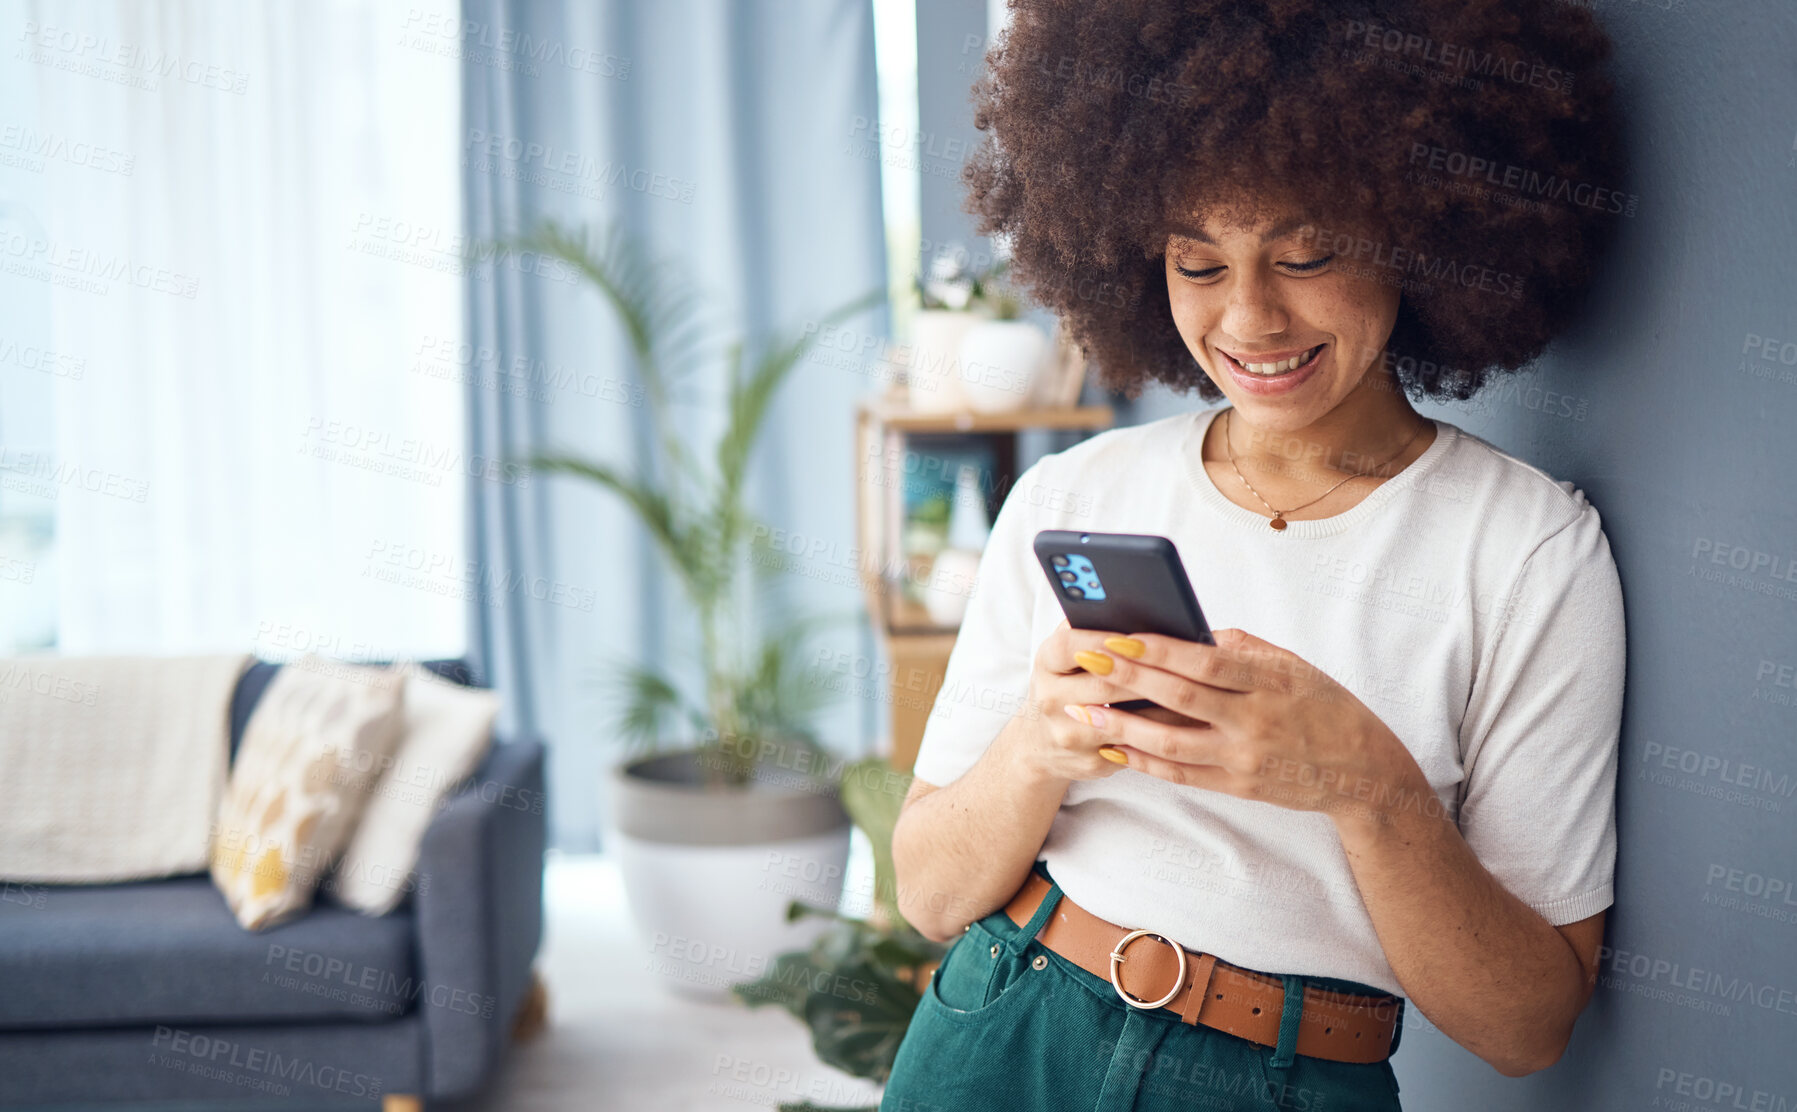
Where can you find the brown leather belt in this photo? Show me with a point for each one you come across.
(1150, 971)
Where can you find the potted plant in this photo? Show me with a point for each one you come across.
(728, 807)
(858, 983)
(1001, 356)
(950, 300)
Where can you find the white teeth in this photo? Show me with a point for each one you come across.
(1280, 367)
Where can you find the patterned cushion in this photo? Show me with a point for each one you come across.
(448, 729)
(299, 783)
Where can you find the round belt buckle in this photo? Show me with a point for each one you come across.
(1117, 957)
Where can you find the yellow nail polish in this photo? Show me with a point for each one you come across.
(1115, 756)
(1078, 713)
(1128, 646)
(1096, 663)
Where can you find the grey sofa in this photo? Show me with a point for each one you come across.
(150, 994)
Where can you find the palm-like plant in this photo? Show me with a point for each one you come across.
(754, 690)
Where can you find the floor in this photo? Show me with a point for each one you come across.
(618, 1038)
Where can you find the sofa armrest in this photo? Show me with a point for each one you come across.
(479, 913)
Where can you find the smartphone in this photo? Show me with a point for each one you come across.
(1127, 582)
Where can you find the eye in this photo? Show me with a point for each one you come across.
(1310, 267)
(1306, 268)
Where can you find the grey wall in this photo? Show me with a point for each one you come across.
(1663, 408)
(1686, 447)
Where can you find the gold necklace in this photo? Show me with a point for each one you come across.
(1278, 523)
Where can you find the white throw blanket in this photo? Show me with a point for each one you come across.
(111, 768)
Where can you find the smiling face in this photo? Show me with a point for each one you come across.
(1282, 326)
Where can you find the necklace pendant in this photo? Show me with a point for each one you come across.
(1277, 524)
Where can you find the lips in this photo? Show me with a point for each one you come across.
(1291, 358)
(1282, 382)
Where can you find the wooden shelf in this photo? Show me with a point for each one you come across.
(902, 418)
(917, 647)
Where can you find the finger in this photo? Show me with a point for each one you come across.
(1085, 687)
(1085, 649)
(1205, 745)
(1058, 648)
(1228, 664)
(1174, 692)
(1209, 777)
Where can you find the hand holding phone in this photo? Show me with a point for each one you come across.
(1124, 583)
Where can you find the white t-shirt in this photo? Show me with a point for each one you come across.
(1470, 601)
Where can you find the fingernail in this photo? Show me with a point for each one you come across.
(1114, 755)
(1128, 646)
(1077, 713)
(1095, 715)
(1096, 663)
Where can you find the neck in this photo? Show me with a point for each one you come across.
(1372, 425)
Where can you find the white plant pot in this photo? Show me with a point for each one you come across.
(950, 583)
(709, 873)
(933, 381)
(1000, 363)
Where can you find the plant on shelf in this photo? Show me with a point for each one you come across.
(754, 691)
(957, 287)
(972, 347)
(883, 961)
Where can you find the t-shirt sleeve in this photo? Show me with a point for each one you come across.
(1542, 727)
(987, 679)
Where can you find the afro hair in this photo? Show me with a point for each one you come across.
(1466, 151)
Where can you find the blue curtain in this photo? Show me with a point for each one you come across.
(730, 139)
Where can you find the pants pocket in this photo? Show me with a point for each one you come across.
(976, 974)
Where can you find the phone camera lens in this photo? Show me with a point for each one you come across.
(1075, 592)
(1069, 577)
(1060, 561)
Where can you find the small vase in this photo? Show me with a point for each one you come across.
(950, 584)
(1000, 361)
(933, 381)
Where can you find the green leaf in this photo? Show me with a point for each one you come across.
(873, 794)
(653, 507)
(855, 1000)
(750, 397)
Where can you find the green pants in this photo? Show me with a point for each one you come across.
(1008, 1024)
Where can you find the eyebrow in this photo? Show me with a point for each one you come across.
(1283, 229)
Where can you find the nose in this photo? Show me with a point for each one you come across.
(1253, 309)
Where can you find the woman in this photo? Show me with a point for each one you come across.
(1389, 785)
